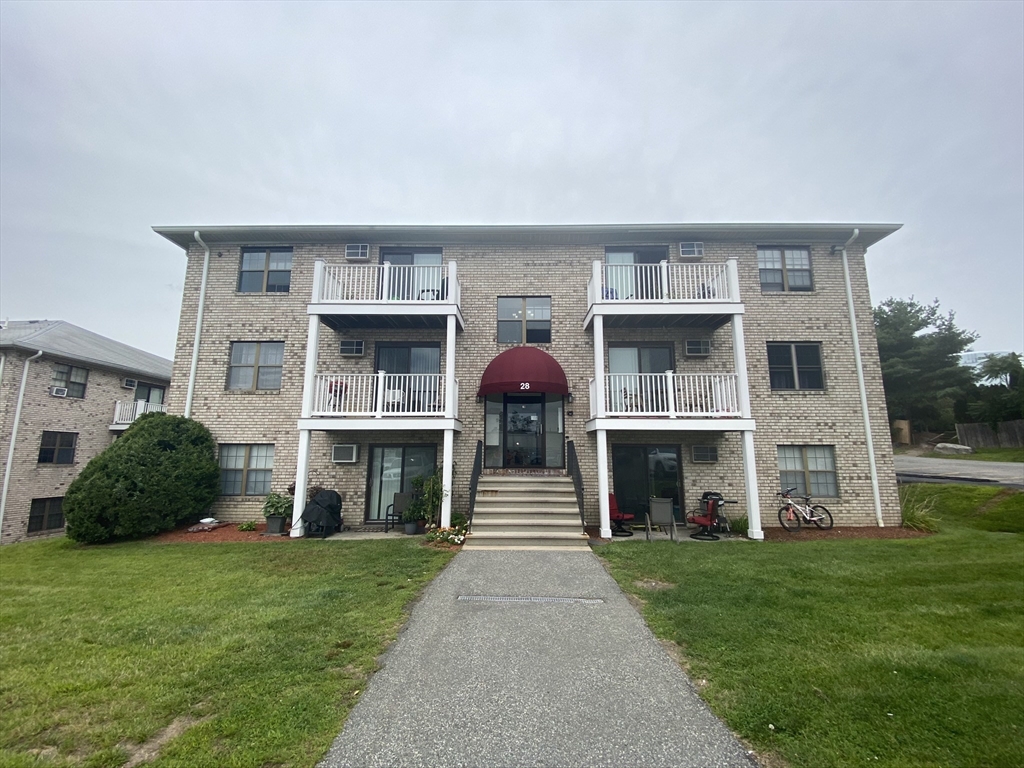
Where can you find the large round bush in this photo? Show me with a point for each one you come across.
(160, 473)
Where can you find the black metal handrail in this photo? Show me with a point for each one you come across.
(572, 463)
(478, 467)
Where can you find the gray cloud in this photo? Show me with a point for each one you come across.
(114, 117)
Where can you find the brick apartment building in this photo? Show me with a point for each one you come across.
(668, 359)
(65, 394)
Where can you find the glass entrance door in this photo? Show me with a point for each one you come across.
(524, 430)
(642, 471)
(392, 469)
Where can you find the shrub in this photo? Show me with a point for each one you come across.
(162, 472)
(918, 509)
(249, 525)
(277, 504)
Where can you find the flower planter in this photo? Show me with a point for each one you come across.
(275, 525)
(410, 528)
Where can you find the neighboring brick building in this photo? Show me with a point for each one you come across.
(359, 357)
(80, 391)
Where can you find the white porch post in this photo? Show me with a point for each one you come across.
(301, 478)
(670, 393)
(663, 274)
(602, 483)
(739, 352)
(449, 370)
(732, 274)
(447, 458)
(750, 479)
(380, 395)
(599, 366)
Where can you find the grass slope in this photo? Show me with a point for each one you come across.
(104, 646)
(856, 652)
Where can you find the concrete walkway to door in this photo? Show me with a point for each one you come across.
(530, 683)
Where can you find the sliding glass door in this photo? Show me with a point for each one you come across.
(392, 469)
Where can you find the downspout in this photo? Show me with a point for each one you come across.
(859, 363)
(199, 329)
(14, 436)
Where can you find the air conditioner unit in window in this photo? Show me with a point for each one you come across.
(698, 347)
(357, 252)
(344, 454)
(130, 384)
(691, 251)
(59, 391)
(351, 348)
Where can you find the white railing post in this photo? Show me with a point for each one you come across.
(670, 390)
(385, 281)
(452, 289)
(733, 276)
(663, 270)
(318, 281)
(380, 395)
(597, 281)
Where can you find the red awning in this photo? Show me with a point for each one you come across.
(523, 370)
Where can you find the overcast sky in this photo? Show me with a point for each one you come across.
(117, 117)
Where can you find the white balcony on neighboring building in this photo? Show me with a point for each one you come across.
(704, 294)
(668, 401)
(127, 411)
(345, 401)
(386, 295)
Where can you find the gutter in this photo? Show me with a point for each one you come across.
(199, 328)
(14, 436)
(859, 363)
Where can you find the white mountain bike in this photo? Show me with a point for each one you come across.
(793, 513)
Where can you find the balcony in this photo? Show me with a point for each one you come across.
(386, 295)
(383, 401)
(668, 401)
(127, 411)
(703, 295)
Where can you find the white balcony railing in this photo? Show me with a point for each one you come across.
(371, 283)
(382, 394)
(127, 411)
(669, 394)
(664, 282)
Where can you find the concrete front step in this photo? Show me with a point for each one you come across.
(526, 512)
(521, 518)
(538, 507)
(537, 530)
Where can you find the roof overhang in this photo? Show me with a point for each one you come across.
(531, 234)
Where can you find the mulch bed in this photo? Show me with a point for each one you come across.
(220, 533)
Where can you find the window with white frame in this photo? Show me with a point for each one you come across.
(71, 378)
(811, 469)
(784, 269)
(246, 470)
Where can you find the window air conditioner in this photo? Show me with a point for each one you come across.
(344, 454)
(691, 251)
(59, 391)
(130, 384)
(357, 252)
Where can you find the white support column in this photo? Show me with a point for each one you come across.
(447, 460)
(599, 367)
(380, 395)
(309, 374)
(602, 483)
(386, 281)
(750, 479)
(301, 483)
(663, 272)
(733, 274)
(449, 370)
(670, 393)
(739, 357)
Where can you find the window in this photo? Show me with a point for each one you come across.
(265, 270)
(784, 269)
(698, 347)
(524, 317)
(58, 448)
(795, 366)
(808, 467)
(70, 377)
(46, 515)
(705, 454)
(255, 365)
(245, 470)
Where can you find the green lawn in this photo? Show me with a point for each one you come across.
(898, 653)
(266, 645)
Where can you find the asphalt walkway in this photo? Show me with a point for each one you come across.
(530, 683)
(912, 468)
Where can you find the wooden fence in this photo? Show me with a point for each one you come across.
(1009, 435)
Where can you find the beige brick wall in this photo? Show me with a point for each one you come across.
(828, 418)
(90, 417)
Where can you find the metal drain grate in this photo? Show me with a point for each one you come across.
(510, 599)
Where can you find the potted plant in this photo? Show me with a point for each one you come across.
(430, 493)
(277, 508)
(413, 514)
